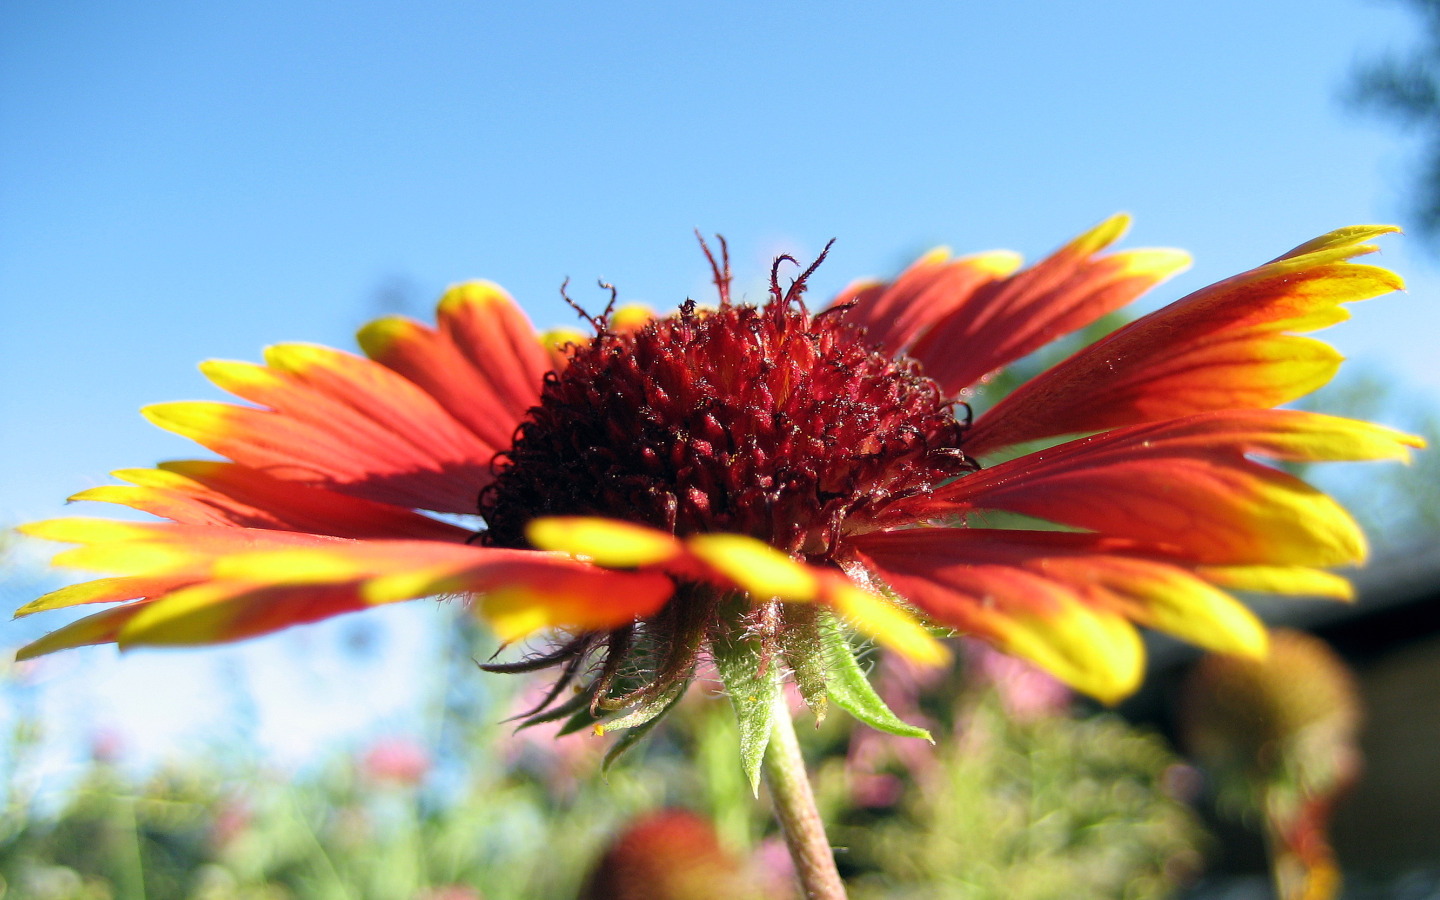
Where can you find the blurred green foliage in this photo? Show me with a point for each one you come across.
(1405, 88)
(1048, 805)
(1052, 808)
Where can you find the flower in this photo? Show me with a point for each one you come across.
(1280, 736)
(396, 760)
(669, 854)
(734, 483)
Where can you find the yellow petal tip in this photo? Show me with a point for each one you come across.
(756, 567)
(607, 542)
(477, 293)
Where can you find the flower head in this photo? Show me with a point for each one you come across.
(747, 483)
(1281, 738)
(669, 854)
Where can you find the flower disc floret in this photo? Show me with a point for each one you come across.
(762, 421)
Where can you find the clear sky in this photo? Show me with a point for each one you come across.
(182, 180)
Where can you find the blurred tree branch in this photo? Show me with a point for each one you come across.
(1406, 90)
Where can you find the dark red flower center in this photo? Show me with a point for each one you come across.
(766, 421)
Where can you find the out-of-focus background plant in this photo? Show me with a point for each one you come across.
(1020, 799)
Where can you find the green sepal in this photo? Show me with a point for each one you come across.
(580, 703)
(805, 653)
(851, 690)
(753, 682)
(649, 709)
(636, 731)
(582, 718)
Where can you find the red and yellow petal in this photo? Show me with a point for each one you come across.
(1063, 293)
(1232, 345)
(203, 492)
(341, 421)
(430, 360)
(933, 287)
(1137, 581)
(214, 584)
(100, 628)
(488, 328)
(1090, 647)
(483, 365)
(558, 344)
(1296, 581)
(216, 612)
(1190, 484)
(103, 590)
(738, 562)
(606, 542)
(1062, 599)
(158, 549)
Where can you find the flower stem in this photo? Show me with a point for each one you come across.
(795, 810)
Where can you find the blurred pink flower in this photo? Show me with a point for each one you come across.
(560, 761)
(774, 868)
(231, 820)
(899, 683)
(1026, 691)
(396, 760)
(107, 744)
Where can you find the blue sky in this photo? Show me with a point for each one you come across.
(181, 181)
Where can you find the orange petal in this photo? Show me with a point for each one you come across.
(371, 424)
(225, 583)
(293, 450)
(373, 398)
(1188, 484)
(934, 286)
(1061, 294)
(202, 492)
(1125, 577)
(102, 590)
(100, 628)
(432, 361)
(491, 332)
(1089, 647)
(1228, 346)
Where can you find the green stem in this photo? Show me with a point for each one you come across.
(795, 810)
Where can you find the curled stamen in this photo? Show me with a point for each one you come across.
(797, 287)
(600, 323)
(609, 307)
(775, 278)
(969, 413)
(720, 272)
